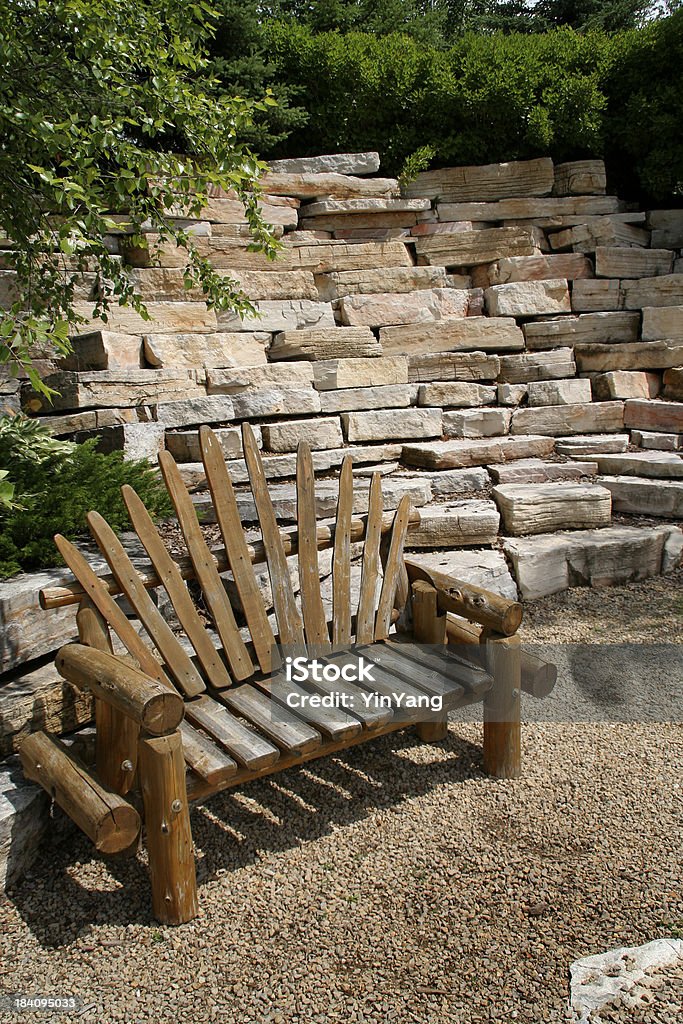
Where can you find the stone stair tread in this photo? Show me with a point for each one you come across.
(663, 465)
(639, 496)
(539, 471)
(547, 507)
(590, 444)
(474, 452)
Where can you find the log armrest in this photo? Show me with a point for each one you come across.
(157, 708)
(474, 603)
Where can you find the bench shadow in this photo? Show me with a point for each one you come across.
(235, 829)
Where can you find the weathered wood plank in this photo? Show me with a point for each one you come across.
(365, 619)
(244, 744)
(341, 559)
(315, 623)
(393, 569)
(273, 720)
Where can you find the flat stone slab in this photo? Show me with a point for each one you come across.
(666, 290)
(658, 465)
(484, 568)
(28, 631)
(469, 248)
(336, 163)
(580, 178)
(388, 396)
(657, 441)
(277, 401)
(559, 392)
(542, 508)
(456, 395)
(367, 204)
(617, 261)
(537, 471)
(485, 183)
(279, 467)
(662, 323)
(646, 497)
(623, 384)
(335, 374)
(531, 209)
(476, 422)
(387, 424)
(164, 317)
(466, 523)
(550, 563)
(382, 309)
(599, 295)
(236, 380)
(184, 444)
(283, 315)
(113, 388)
(528, 298)
(398, 280)
(558, 420)
(673, 384)
(453, 366)
(319, 184)
(527, 366)
(35, 696)
(570, 266)
(24, 820)
(322, 432)
(324, 343)
(643, 355)
(601, 231)
(587, 327)
(192, 411)
(454, 334)
(591, 444)
(104, 350)
(218, 349)
(654, 415)
(476, 452)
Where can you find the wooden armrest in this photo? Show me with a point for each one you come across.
(157, 708)
(466, 599)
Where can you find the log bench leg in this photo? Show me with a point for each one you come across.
(169, 837)
(502, 713)
(429, 627)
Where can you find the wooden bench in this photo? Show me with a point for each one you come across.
(202, 710)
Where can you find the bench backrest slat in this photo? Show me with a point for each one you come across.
(365, 622)
(315, 620)
(341, 559)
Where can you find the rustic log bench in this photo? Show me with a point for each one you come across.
(201, 712)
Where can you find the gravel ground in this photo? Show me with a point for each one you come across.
(393, 883)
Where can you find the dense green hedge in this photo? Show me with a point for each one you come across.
(491, 98)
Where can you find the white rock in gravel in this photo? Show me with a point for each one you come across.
(24, 818)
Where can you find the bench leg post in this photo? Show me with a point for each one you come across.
(429, 627)
(502, 711)
(167, 820)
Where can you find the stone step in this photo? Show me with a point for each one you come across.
(234, 348)
(558, 420)
(632, 263)
(623, 384)
(654, 415)
(477, 452)
(570, 266)
(113, 388)
(392, 279)
(476, 422)
(278, 467)
(239, 379)
(662, 323)
(591, 444)
(585, 328)
(469, 248)
(485, 568)
(528, 298)
(531, 209)
(387, 424)
(653, 291)
(466, 523)
(480, 333)
(646, 497)
(612, 556)
(453, 366)
(673, 384)
(324, 343)
(527, 366)
(532, 471)
(488, 183)
(642, 355)
(655, 441)
(546, 507)
(382, 309)
(659, 465)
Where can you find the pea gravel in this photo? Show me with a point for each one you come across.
(394, 883)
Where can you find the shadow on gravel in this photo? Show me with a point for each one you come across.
(235, 829)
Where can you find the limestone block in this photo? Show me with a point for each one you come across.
(452, 366)
(184, 444)
(367, 204)
(476, 452)
(285, 315)
(558, 420)
(545, 507)
(608, 557)
(392, 279)
(113, 388)
(278, 467)
(456, 394)
(570, 266)
(104, 350)
(192, 350)
(324, 432)
(315, 184)
(190, 411)
(284, 501)
(241, 378)
(487, 183)
(386, 424)
(166, 317)
(135, 440)
(468, 333)
(645, 497)
(530, 209)
(332, 374)
(655, 465)
(168, 283)
(231, 211)
(485, 568)
(24, 820)
(528, 298)
(328, 257)
(559, 392)
(537, 471)
(382, 309)
(673, 384)
(632, 263)
(511, 394)
(622, 384)
(667, 228)
(92, 419)
(657, 441)
(646, 355)
(530, 366)
(594, 296)
(591, 444)
(325, 343)
(601, 231)
(588, 327)
(468, 248)
(476, 423)
(389, 396)
(454, 483)
(337, 163)
(465, 523)
(654, 415)
(662, 322)
(653, 291)
(287, 400)
(28, 631)
(580, 178)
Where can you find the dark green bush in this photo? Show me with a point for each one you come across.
(56, 484)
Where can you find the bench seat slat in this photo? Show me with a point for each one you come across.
(473, 678)
(273, 720)
(432, 682)
(333, 722)
(201, 754)
(245, 745)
